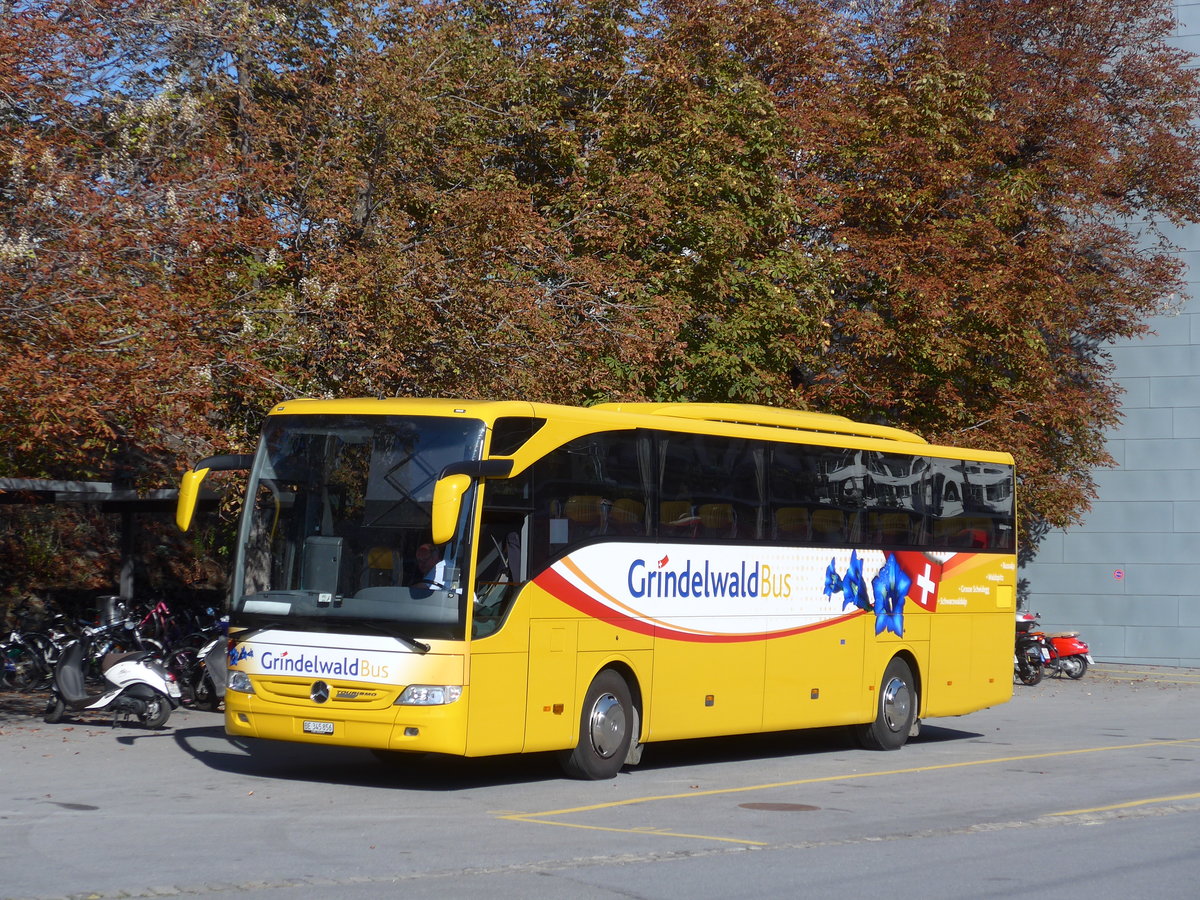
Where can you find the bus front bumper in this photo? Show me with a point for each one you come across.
(418, 729)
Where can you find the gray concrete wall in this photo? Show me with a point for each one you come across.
(1129, 577)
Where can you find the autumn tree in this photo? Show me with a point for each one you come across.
(927, 213)
(991, 179)
(126, 268)
(558, 201)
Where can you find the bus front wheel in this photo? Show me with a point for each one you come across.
(605, 730)
(895, 709)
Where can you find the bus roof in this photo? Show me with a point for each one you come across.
(798, 422)
(733, 413)
(748, 414)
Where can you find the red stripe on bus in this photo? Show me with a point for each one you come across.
(553, 583)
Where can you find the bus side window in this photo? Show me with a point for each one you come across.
(891, 528)
(500, 568)
(829, 526)
(677, 518)
(718, 520)
(711, 487)
(792, 524)
(627, 516)
(589, 488)
(586, 515)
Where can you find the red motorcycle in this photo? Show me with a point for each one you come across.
(1068, 654)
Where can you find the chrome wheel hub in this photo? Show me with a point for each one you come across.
(896, 704)
(607, 726)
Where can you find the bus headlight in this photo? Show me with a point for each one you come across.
(429, 695)
(240, 682)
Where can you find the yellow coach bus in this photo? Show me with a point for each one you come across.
(479, 578)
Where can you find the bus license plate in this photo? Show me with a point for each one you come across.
(318, 727)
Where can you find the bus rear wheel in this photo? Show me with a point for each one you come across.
(895, 710)
(605, 730)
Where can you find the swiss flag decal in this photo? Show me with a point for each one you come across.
(926, 575)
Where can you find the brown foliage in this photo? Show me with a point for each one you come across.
(991, 177)
(927, 213)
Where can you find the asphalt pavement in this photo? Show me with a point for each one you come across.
(1085, 788)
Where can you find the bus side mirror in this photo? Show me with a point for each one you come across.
(455, 481)
(447, 503)
(189, 486)
(189, 493)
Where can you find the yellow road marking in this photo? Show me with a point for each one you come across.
(541, 818)
(644, 829)
(1151, 677)
(1128, 805)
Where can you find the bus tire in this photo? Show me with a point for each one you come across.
(605, 730)
(895, 709)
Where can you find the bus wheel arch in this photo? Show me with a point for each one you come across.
(918, 686)
(634, 755)
(897, 705)
(608, 722)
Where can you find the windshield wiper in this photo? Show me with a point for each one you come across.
(359, 625)
(242, 636)
(411, 642)
(335, 624)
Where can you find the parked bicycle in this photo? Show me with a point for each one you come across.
(31, 649)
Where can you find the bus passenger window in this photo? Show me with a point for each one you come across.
(891, 528)
(589, 488)
(828, 526)
(718, 519)
(791, 523)
(627, 516)
(587, 515)
(677, 518)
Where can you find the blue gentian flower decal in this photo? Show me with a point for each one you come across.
(833, 581)
(854, 585)
(890, 587)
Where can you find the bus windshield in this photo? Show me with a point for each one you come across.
(336, 531)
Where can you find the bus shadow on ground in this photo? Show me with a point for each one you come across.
(351, 766)
(780, 744)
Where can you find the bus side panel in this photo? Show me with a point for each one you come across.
(948, 688)
(970, 665)
(498, 674)
(814, 679)
(607, 636)
(550, 715)
(496, 698)
(882, 648)
(992, 661)
(992, 664)
(704, 688)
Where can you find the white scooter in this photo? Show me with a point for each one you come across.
(135, 684)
